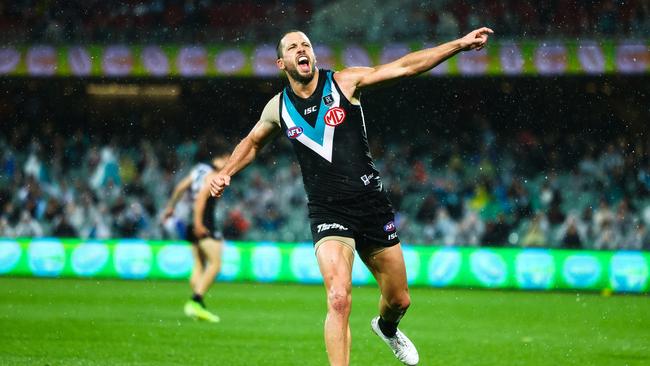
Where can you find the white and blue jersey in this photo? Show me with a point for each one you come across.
(197, 175)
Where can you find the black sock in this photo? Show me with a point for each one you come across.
(388, 328)
(198, 298)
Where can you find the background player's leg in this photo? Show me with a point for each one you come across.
(194, 308)
(197, 268)
(390, 272)
(211, 250)
(335, 261)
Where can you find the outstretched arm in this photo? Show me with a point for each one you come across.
(355, 78)
(267, 127)
(180, 188)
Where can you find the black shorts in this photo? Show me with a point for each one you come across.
(189, 234)
(369, 220)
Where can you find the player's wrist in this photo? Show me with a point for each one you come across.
(461, 44)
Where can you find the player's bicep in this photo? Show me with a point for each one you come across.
(269, 124)
(263, 132)
(382, 75)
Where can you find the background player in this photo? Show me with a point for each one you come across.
(206, 238)
(320, 113)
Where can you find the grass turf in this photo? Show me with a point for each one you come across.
(112, 322)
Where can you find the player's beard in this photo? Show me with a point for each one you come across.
(303, 79)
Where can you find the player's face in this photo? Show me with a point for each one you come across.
(298, 58)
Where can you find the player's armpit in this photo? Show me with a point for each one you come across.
(348, 80)
(352, 80)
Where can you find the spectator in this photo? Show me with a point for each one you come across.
(572, 233)
(497, 232)
(607, 237)
(28, 227)
(446, 229)
(63, 229)
(638, 238)
(536, 235)
(470, 230)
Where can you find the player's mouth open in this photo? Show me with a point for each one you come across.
(303, 63)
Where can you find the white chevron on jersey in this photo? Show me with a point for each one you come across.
(324, 150)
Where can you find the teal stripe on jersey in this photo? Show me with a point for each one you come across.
(316, 133)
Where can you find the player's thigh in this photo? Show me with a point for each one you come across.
(388, 268)
(211, 249)
(335, 260)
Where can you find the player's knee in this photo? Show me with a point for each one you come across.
(400, 303)
(339, 300)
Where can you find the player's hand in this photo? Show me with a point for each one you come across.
(218, 184)
(200, 231)
(168, 213)
(476, 39)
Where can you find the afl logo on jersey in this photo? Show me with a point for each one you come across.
(294, 132)
(389, 227)
(335, 116)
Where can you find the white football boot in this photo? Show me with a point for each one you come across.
(401, 346)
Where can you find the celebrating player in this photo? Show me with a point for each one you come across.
(320, 113)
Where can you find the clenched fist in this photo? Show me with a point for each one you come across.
(218, 184)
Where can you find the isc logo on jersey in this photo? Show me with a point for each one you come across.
(294, 132)
(335, 116)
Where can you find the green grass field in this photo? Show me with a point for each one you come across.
(111, 322)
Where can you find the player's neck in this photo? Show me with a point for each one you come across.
(304, 90)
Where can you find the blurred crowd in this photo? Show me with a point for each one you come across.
(494, 191)
(136, 21)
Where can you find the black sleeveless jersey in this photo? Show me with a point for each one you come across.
(328, 134)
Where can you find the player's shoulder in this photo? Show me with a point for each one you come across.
(275, 98)
(271, 112)
(349, 79)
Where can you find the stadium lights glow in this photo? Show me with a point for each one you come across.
(133, 90)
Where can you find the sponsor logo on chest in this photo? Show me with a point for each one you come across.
(335, 116)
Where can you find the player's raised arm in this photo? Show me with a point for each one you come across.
(248, 148)
(180, 188)
(412, 64)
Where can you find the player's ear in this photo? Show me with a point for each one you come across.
(280, 63)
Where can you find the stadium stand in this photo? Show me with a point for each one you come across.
(134, 21)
